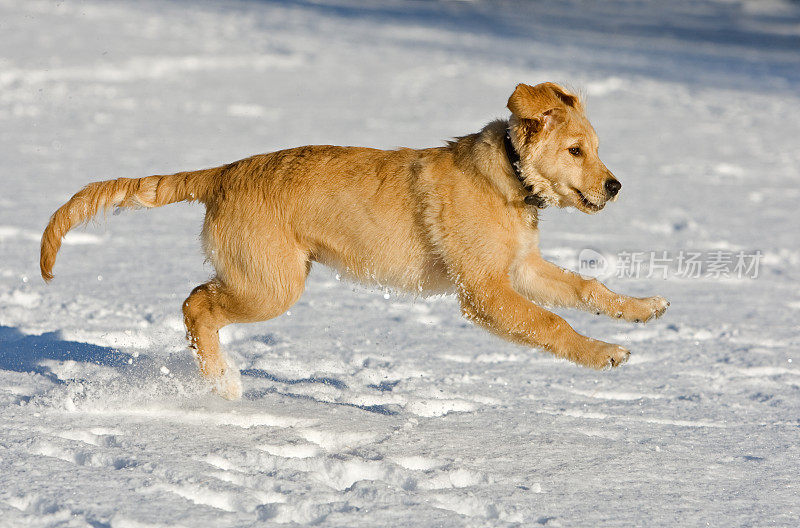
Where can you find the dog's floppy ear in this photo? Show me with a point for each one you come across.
(543, 102)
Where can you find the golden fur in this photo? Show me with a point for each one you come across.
(446, 219)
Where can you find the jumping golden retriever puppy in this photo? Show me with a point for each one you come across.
(460, 218)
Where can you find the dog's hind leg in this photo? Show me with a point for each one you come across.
(204, 313)
(253, 286)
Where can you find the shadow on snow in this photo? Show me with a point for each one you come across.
(21, 352)
(332, 382)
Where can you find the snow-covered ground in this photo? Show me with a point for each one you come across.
(362, 407)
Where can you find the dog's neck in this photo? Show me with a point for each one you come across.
(531, 198)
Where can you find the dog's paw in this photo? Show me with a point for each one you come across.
(602, 356)
(229, 383)
(641, 310)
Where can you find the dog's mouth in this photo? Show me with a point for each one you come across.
(585, 204)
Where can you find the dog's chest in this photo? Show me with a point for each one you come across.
(530, 218)
(527, 230)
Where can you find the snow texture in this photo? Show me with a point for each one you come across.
(363, 407)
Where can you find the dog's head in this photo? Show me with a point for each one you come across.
(558, 148)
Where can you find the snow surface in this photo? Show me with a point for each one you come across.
(362, 407)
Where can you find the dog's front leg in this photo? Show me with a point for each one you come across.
(495, 305)
(545, 283)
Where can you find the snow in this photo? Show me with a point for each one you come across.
(362, 410)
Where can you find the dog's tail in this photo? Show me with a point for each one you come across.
(152, 191)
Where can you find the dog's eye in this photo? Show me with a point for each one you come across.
(575, 151)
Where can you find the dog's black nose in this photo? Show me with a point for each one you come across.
(613, 186)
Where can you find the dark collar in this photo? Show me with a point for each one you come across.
(513, 159)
